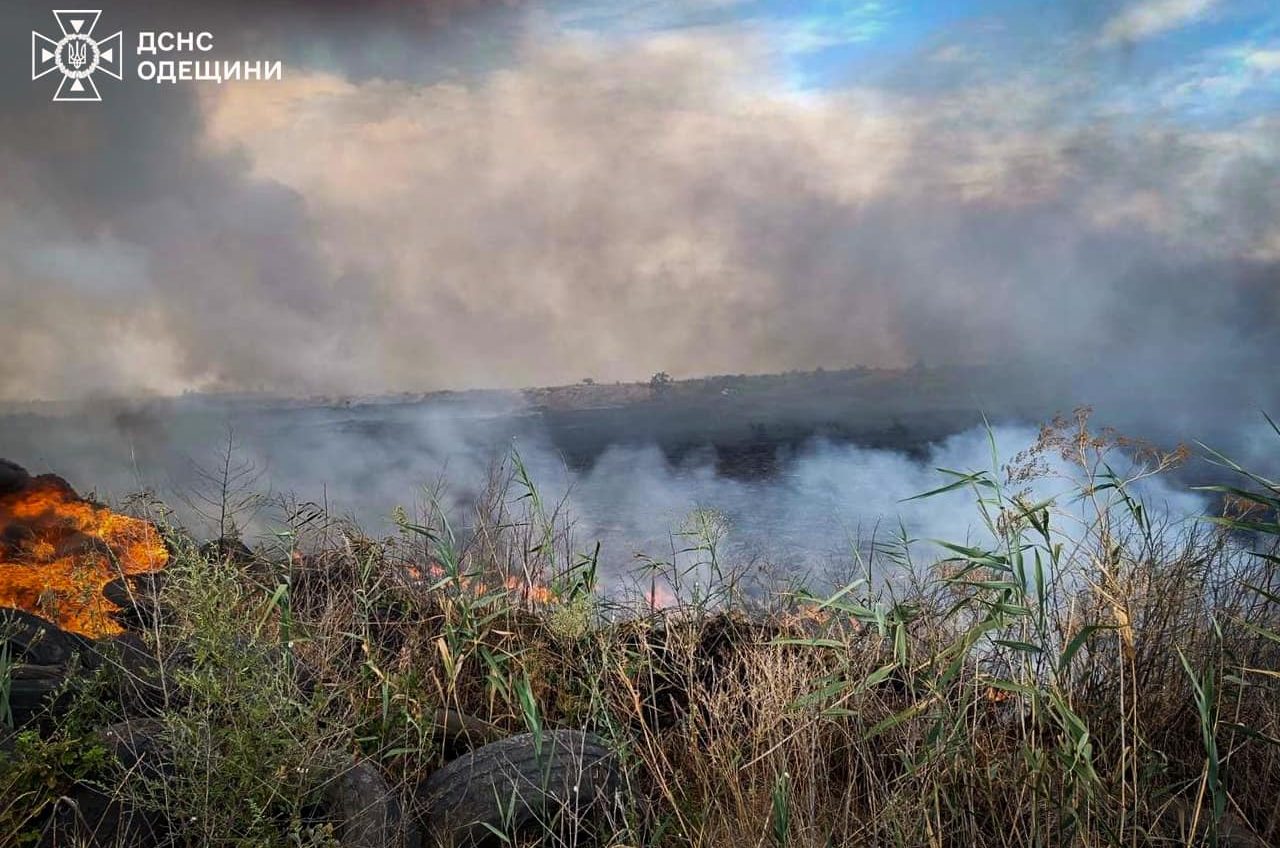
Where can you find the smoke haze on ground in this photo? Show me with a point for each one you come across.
(826, 505)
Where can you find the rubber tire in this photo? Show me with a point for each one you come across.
(33, 690)
(365, 812)
(32, 639)
(573, 773)
(86, 815)
(363, 809)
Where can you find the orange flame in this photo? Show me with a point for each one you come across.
(476, 584)
(660, 597)
(534, 592)
(58, 552)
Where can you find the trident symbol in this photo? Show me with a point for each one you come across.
(77, 53)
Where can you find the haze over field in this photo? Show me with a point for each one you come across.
(753, 468)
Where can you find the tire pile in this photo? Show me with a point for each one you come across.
(557, 779)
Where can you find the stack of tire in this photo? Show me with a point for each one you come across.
(41, 656)
(558, 780)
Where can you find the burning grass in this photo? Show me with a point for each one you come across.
(1111, 681)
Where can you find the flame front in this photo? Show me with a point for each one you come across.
(535, 592)
(58, 552)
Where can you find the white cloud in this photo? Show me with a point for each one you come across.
(953, 54)
(808, 34)
(1149, 18)
(1215, 83)
(1265, 61)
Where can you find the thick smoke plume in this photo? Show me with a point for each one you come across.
(565, 205)
(467, 194)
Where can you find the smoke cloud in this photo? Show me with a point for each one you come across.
(464, 194)
(571, 205)
(828, 511)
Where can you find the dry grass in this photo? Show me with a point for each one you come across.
(1090, 681)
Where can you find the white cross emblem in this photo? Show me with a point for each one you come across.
(76, 54)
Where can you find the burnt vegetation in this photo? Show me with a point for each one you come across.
(1091, 675)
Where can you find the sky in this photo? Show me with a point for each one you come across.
(470, 194)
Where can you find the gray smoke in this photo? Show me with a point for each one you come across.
(465, 194)
(561, 205)
(827, 510)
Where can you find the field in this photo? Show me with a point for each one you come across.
(1094, 675)
(745, 422)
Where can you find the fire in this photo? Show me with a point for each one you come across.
(477, 585)
(534, 592)
(660, 597)
(58, 552)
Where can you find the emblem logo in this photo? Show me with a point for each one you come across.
(77, 55)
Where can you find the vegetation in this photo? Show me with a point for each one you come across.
(660, 382)
(1092, 676)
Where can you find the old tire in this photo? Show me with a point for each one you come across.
(91, 814)
(511, 785)
(362, 809)
(365, 812)
(32, 639)
(33, 690)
